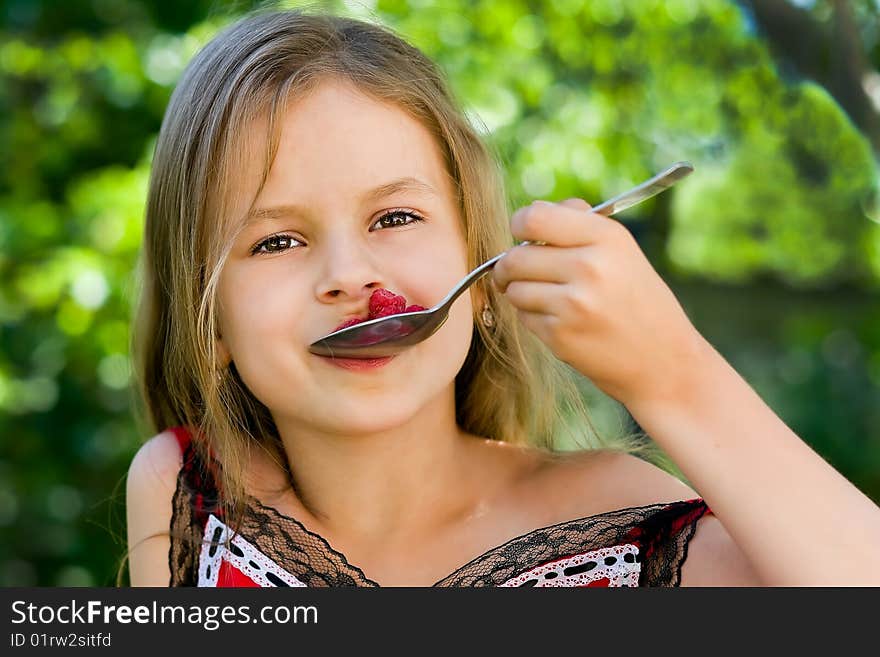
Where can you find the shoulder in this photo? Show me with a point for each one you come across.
(150, 487)
(606, 480)
(155, 465)
(562, 486)
(597, 481)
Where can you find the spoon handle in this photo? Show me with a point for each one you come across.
(651, 187)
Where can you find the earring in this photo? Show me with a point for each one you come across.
(488, 317)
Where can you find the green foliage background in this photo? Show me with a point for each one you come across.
(773, 245)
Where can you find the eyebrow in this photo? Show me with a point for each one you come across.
(407, 184)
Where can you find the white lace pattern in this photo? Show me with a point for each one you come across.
(239, 553)
(618, 564)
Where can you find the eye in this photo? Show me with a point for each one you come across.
(282, 242)
(274, 244)
(398, 218)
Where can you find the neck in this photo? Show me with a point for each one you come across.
(386, 483)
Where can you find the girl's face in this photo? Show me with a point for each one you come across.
(357, 199)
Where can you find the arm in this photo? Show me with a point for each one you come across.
(152, 479)
(774, 494)
(713, 557)
(591, 295)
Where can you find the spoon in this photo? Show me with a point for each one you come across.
(386, 336)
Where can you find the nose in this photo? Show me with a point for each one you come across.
(350, 271)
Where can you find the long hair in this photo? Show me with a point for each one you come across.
(511, 387)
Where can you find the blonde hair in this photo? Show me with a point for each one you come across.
(511, 386)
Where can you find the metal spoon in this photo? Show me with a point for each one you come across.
(386, 336)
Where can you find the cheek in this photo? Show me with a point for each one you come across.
(264, 343)
(431, 272)
(254, 317)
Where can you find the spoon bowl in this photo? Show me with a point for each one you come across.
(386, 336)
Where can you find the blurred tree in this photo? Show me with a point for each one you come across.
(834, 42)
(83, 87)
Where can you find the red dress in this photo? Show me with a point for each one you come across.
(638, 546)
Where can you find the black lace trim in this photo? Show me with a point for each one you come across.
(195, 497)
(661, 553)
(181, 556)
(301, 552)
(685, 537)
(662, 533)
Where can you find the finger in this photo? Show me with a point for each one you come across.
(532, 262)
(534, 297)
(557, 224)
(537, 323)
(577, 204)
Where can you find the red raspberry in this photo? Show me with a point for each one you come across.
(384, 302)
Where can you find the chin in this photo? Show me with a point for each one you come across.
(367, 418)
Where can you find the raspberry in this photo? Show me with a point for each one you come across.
(384, 302)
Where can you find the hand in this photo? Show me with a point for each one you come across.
(595, 300)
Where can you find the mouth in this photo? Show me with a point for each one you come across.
(357, 364)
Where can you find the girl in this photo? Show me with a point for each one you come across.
(309, 165)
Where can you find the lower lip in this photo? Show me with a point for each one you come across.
(358, 364)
